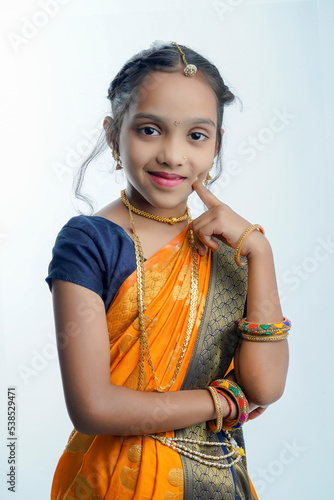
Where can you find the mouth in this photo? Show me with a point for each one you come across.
(164, 179)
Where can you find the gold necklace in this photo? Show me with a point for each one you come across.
(170, 220)
(144, 347)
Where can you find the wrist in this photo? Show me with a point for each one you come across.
(228, 406)
(212, 407)
(235, 393)
(256, 245)
(216, 425)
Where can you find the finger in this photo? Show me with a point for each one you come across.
(208, 241)
(206, 196)
(200, 246)
(206, 229)
(256, 413)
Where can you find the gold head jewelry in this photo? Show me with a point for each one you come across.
(143, 341)
(117, 159)
(170, 220)
(190, 69)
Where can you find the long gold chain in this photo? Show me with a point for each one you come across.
(144, 347)
(170, 220)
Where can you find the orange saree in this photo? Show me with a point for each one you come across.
(137, 466)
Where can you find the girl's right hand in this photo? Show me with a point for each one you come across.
(255, 411)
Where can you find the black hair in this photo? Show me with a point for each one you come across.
(127, 86)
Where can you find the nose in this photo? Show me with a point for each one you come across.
(171, 152)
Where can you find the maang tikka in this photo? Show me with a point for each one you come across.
(190, 69)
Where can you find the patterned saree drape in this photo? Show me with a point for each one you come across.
(136, 466)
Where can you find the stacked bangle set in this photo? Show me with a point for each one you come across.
(264, 332)
(228, 389)
(234, 451)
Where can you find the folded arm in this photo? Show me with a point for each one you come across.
(96, 406)
(261, 367)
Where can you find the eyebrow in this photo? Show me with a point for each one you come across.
(157, 118)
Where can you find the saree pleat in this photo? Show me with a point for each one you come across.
(136, 466)
(212, 358)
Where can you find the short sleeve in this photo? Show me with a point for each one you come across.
(76, 257)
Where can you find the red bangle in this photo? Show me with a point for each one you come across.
(228, 402)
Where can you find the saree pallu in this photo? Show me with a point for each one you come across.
(137, 466)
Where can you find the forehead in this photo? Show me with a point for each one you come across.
(175, 94)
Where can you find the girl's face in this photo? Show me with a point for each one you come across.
(167, 140)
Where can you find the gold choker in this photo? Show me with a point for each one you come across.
(170, 220)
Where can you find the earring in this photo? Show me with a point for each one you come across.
(117, 159)
(208, 177)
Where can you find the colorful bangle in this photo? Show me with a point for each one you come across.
(235, 391)
(216, 427)
(264, 329)
(264, 338)
(228, 402)
(238, 247)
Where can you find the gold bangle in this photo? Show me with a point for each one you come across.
(264, 338)
(242, 238)
(216, 427)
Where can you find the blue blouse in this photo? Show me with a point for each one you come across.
(93, 252)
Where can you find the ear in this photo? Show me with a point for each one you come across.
(221, 131)
(108, 128)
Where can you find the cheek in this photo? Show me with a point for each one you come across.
(202, 176)
(202, 171)
(136, 159)
(135, 152)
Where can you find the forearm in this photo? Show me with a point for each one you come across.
(261, 367)
(122, 411)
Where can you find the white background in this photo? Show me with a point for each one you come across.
(276, 56)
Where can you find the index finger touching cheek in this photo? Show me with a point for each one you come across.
(206, 196)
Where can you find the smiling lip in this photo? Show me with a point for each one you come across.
(164, 179)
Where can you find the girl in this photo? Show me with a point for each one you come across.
(161, 364)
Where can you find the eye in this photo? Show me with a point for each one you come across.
(198, 136)
(148, 131)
